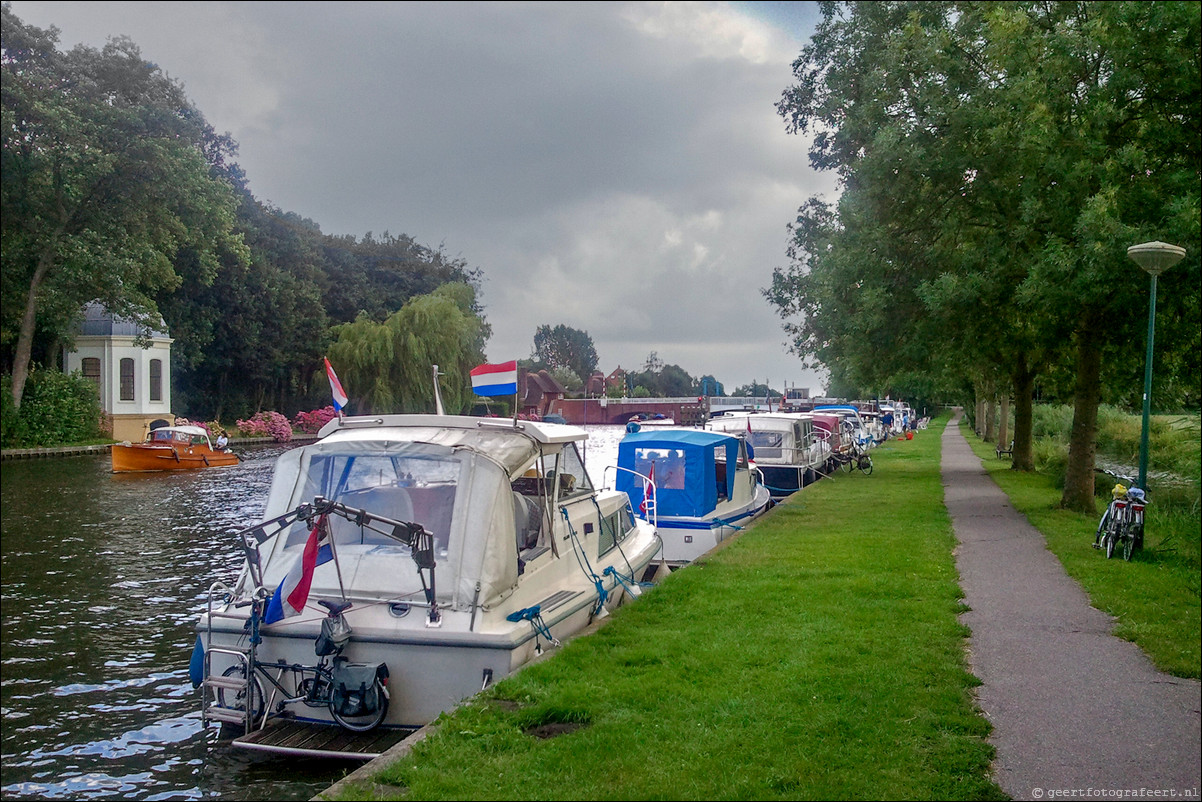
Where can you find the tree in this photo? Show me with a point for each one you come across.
(388, 367)
(108, 172)
(565, 347)
(997, 159)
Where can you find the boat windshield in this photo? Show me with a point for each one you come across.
(416, 488)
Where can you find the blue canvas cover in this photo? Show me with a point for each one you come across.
(686, 472)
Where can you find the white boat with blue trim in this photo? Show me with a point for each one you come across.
(697, 487)
(458, 548)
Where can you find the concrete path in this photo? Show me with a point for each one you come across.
(1076, 712)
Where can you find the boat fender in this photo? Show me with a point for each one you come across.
(175, 453)
(205, 457)
(196, 667)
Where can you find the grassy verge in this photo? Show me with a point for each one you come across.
(1155, 597)
(817, 656)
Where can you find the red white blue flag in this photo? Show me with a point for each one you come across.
(340, 398)
(293, 592)
(499, 379)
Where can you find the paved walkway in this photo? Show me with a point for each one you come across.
(1075, 711)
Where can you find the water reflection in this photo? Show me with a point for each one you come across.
(104, 576)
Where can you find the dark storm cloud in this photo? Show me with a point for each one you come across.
(618, 168)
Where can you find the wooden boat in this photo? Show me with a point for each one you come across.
(171, 448)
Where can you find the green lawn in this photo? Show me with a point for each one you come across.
(818, 656)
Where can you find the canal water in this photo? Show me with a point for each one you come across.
(104, 576)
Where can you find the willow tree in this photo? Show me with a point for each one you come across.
(388, 366)
(108, 171)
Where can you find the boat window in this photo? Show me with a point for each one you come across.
(768, 444)
(415, 489)
(614, 529)
(669, 466)
(573, 478)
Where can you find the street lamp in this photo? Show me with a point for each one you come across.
(1155, 258)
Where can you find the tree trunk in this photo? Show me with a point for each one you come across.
(24, 349)
(1023, 379)
(991, 418)
(1003, 428)
(1079, 475)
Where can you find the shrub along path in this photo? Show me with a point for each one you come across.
(1072, 706)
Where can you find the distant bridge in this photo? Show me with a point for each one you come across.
(688, 411)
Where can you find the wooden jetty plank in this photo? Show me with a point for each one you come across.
(322, 740)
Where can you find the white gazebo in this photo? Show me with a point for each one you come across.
(134, 380)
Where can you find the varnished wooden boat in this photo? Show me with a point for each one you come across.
(171, 448)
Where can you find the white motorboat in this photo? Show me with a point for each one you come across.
(786, 449)
(697, 487)
(463, 545)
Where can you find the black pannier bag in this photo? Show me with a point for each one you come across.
(355, 692)
(334, 634)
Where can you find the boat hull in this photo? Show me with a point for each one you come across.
(146, 457)
(431, 669)
(687, 538)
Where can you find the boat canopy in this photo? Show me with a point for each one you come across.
(453, 480)
(688, 479)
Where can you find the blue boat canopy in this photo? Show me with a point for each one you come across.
(690, 469)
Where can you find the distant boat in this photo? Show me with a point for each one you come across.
(786, 448)
(696, 487)
(171, 448)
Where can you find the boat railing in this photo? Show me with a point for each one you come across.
(648, 507)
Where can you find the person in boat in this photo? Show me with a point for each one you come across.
(633, 425)
(222, 441)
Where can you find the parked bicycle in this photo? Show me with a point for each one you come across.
(355, 694)
(855, 457)
(1122, 525)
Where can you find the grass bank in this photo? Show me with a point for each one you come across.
(817, 656)
(1155, 597)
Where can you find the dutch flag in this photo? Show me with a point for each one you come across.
(293, 592)
(499, 379)
(339, 394)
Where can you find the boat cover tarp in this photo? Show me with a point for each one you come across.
(464, 499)
(686, 473)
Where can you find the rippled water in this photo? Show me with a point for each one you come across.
(104, 576)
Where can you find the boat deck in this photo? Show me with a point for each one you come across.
(320, 740)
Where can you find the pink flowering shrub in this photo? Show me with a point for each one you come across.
(182, 421)
(267, 424)
(311, 422)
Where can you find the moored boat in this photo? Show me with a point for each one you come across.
(464, 547)
(171, 448)
(786, 449)
(697, 487)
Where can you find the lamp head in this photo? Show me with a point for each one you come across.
(1156, 257)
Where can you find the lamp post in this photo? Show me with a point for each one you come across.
(1155, 258)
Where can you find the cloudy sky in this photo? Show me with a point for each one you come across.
(615, 167)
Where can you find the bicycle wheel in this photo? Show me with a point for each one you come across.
(366, 722)
(866, 464)
(236, 699)
(1128, 543)
(849, 464)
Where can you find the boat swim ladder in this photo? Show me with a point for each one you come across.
(243, 685)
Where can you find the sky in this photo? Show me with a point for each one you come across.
(618, 168)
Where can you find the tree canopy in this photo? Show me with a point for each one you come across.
(108, 175)
(996, 160)
(565, 347)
